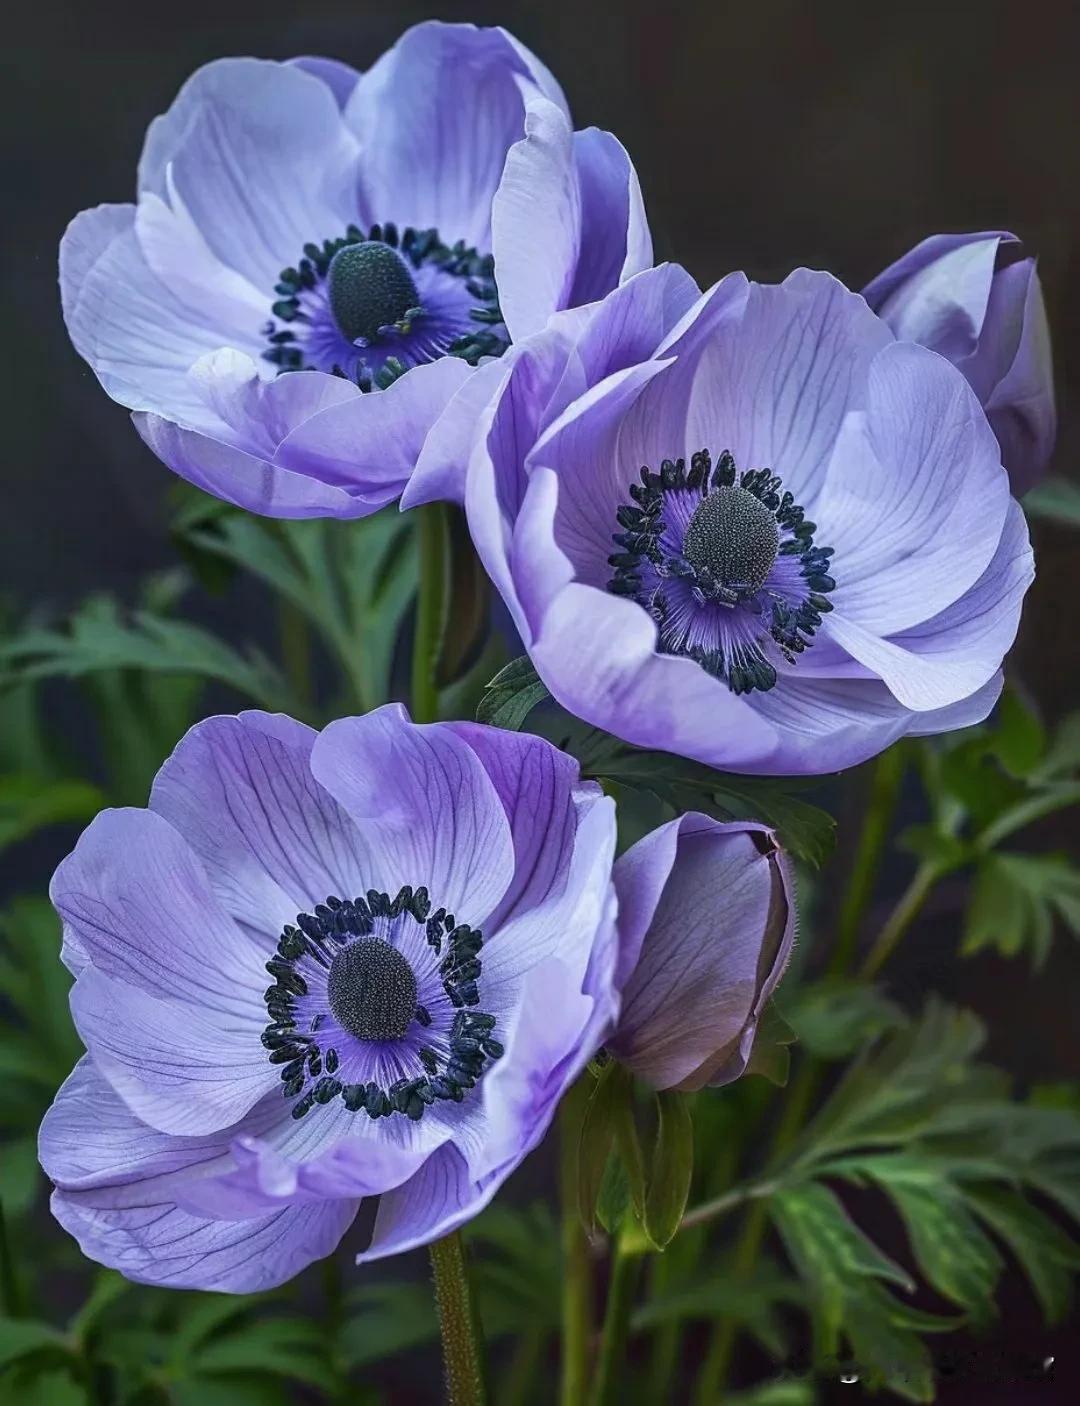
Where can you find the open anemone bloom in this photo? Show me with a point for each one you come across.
(977, 300)
(706, 928)
(749, 527)
(432, 908)
(379, 237)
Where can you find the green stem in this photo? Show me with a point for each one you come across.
(715, 1368)
(885, 782)
(577, 1277)
(459, 1324)
(884, 793)
(901, 918)
(430, 603)
(295, 650)
(522, 1371)
(616, 1330)
(10, 1295)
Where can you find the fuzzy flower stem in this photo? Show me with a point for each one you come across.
(430, 604)
(459, 1324)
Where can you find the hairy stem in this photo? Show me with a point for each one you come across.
(459, 1325)
(577, 1277)
(616, 1330)
(430, 603)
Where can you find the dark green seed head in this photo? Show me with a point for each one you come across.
(734, 537)
(372, 990)
(370, 287)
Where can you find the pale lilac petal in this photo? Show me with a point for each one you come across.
(260, 157)
(137, 905)
(178, 1068)
(244, 479)
(340, 78)
(436, 158)
(615, 240)
(138, 337)
(273, 841)
(440, 1198)
(424, 806)
(369, 444)
(915, 497)
(536, 221)
(774, 386)
(442, 465)
(718, 926)
(1021, 406)
(650, 699)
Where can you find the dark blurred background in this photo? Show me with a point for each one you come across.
(766, 134)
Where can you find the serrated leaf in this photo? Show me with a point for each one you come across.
(1014, 902)
(835, 1018)
(284, 1347)
(803, 829)
(99, 640)
(511, 696)
(1047, 1255)
(831, 1254)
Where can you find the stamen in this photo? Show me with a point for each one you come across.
(340, 967)
(728, 570)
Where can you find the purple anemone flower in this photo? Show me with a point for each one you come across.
(706, 928)
(381, 237)
(749, 527)
(975, 299)
(433, 910)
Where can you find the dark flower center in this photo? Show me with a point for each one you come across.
(373, 303)
(726, 565)
(351, 1016)
(372, 990)
(735, 537)
(370, 288)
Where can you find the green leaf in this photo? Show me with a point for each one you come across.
(769, 1056)
(20, 1179)
(1057, 500)
(31, 803)
(671, 1168)
(803, 829)
(390, 1318)
(519, 1273)
(1014, 901)
(1019, 736)
(952, 1252)
(836, 1018)
(27, 1337)
(608, 1127)
(832, 1255)
(38, 1043)
(511, 696)
(99, 640)
(465, 629)
(285, 1347)
(1048, 1256)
